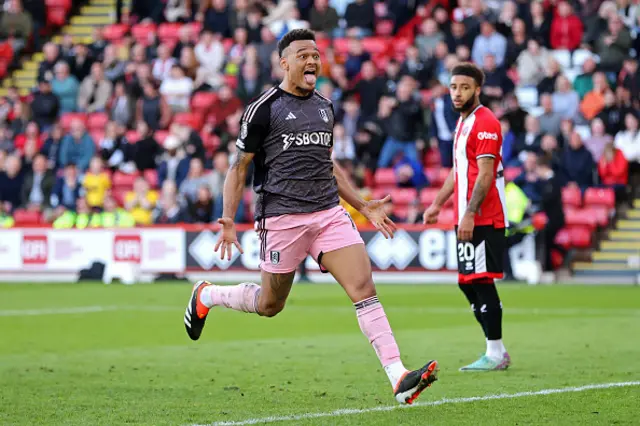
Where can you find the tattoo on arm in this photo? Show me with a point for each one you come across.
(482, 185)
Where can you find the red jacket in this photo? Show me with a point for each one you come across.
(566, 33)
(616, 172)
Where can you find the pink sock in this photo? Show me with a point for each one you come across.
(375, 325)
(242, 297)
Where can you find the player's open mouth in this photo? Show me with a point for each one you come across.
(310, 77)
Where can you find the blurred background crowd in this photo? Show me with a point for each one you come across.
(139, 125)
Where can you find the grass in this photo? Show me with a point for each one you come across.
(107, 355)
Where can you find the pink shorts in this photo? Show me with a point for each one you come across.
(288, 239)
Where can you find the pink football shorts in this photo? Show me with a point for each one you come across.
(288, 239)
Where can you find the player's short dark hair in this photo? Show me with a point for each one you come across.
(470, 70)
(295, 35)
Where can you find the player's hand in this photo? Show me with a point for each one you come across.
(465, 229)
(374, 212)
(430, 215)
(228, 238)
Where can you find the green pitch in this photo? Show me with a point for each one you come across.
(110, 355)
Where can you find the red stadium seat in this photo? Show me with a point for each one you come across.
(447, 217)
(67, 118)
(563, 238)
(432, 158)
(160, 136)
(210, 142)
(400, 45)
(119, 194)
(579, 218)
(140, 32)
(341, 46)
(510, 173)
(64, 4)
(151, 176)
(132, 136)
(605, 197)
(123, 180)
(191, 119)
(203, 101)
(169, 32)
(428, 196)
(571, 196)
(385, 177)
(97, 136)
(384, 27)
(403, 196)
(401, 211)
(97, 121)
(227, 44)
(26, 217)
(114, 32)
(56, 16)
(580, 237)
(323, 43)
(599, 213)
(539, 220)
(231, 81)
(375, 45)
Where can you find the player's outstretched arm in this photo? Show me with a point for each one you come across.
(480, 190)
(232, 194)
(373, 210)
(432, 212)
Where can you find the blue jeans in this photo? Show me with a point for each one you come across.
(392, 147)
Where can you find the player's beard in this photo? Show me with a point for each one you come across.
(467, 106)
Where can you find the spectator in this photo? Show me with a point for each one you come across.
(121, 106)
(593, 102)
(214, 14)
(628, 140)
(531, 140)
(51, 147)
(153, 109)
(210, 54)
(19, 117)
(551, 73)
(114, 68)
(16, 25)
(96, 183)
(613, 169)
(566, 28)
(113, 149)
(614, 111)
(578, 163)
(141, 201)
(497, 84)
(177, 10)
(552, 152)
(598, 139)
(566, 101)
(65, 87)
(190, 139)
(37, 186)
(227, 104)
(51, 56)
(596, 23)
(147, 150)
(185, 39)
(443, 124)
(539, 24)
(146, 9)
(515, 114)
(355, 58)
(267, 46)
(528, 179)
(518, 42)
(98, 46)
(114, 216)
(95, 91)
(169, 210)
(371, 134)
(254, 24)
(509, 143)
(405, 125)
(176, 89)
(80, 64)
(343, 147)
(429, 37)
(370, 89)
(11, 180)
(489, 42)
(220, 168)
(45, 106)
(77, 147)
(66, 190)
(409, 173)
(613, 46)
(163, 64)
(81, 217)
(188, 62)
(249, 83)
(201, 208)
(459, 36)
(550, 188)
(175, 164)
(351, 116)
(414, 67)
(360, 18)
(583, 83)
(549, 119)
(195, 179)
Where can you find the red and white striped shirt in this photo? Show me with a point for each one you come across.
(478, 136)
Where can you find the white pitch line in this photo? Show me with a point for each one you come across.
(81, 310)
(352, 411)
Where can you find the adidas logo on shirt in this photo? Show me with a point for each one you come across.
(290, 116)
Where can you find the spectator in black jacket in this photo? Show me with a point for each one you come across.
(169, 210)
(551, 192)
(11, 180)
(67, 190)
(45, 106)
(443, 124)
(38, 185)
(578, 162)
(372, 134)
(404, 125)
(201, 209)
(370, 88)
(360, 18)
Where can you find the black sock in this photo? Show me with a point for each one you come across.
(490, 308)
(471, 295)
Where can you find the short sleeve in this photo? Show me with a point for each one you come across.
(254, 126)
(488, 139)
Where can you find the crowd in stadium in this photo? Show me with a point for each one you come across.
(139, 126)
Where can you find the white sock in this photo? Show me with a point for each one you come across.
(495, 349)
(394, 372)
(205, 296)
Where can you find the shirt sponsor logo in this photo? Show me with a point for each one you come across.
(313, 138)
(487, 135)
